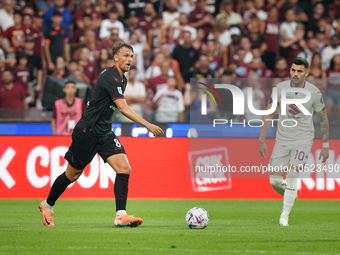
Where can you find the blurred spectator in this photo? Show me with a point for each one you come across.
(248, 11)
(309, 51)
(140, 49)
(246, 45)
(292, 35)
(60, 68)
(34, 64)
(91, 43)
(330, 51)
(131, 26)
(134, 7)
(315, 69)
(281, 69)
(186, 55)
(224, 37)
(67, 111)
(259, 12)
(215, 62)
(155, 34)
(56, 42)
(198, 43)
(147, 20)
(186, 6)
(263, 71)
(104, 55)
(12, 96)
(235, 35)
(221, 49)
(242, 68)
(44, 5)
(202, 70)
(154, 69)
(86, 8)
(159, 82)
(103, 7)
(183, 26)
(78, 38)
(112, 40)
(135, 94)
(332, 95)
(169, 103)
(111, 22)
(320, 39)
(257, 39)
(170, 39)
(38, 35)
(201, 18)
(75, 70)
(88, 66)
(300, 15)
(270, 28)
(171, 14)
(258, 97)
(21, 75)
(59, 5)
(15, 35)
(27, 21)
(232, 18)
(7, 15)
(318, 10)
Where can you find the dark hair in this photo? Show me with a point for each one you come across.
(301, 61)
(26, 14)
(133, 68)
(57, 13)
(68, 82)
(113, 10)
(159, 16)
(17, 13)
(86, 16)
(314, 55)
(99, 61)
(116, 48)
(331, 66)
(318, 2)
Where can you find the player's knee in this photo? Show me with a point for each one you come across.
(75, 175)
(124, 170)
(275, 181)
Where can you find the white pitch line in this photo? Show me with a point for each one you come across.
(168, 249)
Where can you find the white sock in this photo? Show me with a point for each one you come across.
(291, 191)
(120, 212)
(278, 184)
(48, 207)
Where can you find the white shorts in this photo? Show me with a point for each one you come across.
(285, 155)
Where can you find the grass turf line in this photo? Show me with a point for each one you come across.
(235, 227)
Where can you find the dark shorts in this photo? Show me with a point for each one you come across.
(85, 146)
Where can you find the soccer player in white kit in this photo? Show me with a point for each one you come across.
(293, 144)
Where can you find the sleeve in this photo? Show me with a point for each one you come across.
(113, 88)
(142, 91)
(103, 30)
(83, 106)
(270, 101)
(47, 36)
(157, 95)
(318, 102)
(7, 33)
(39, 63)
(78, 14)
(121, 33)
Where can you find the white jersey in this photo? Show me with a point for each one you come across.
(303, 132)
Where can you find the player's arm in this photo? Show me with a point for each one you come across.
(264, 131)
(324, 127)
(129, 113)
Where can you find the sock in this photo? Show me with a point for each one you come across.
(278, 184)
(291, 191)
(48, 207)
(120, 212)
(121, 191)
(58, 188)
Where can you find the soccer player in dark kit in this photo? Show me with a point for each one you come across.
(93, 133)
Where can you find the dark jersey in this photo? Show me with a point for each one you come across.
(98, 116)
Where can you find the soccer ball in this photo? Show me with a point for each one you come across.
(197, 217)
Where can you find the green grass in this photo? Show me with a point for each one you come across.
(236, 227)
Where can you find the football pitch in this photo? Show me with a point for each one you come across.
(235, 227)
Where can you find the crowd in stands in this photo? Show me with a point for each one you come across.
(173, 41)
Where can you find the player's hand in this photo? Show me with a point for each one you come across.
(155, 130)
(324, 154)
(263, 149)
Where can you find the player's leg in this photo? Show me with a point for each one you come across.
(59, 185)
(279, 159)
(120, 164)
(298, 157)
(290, 193)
